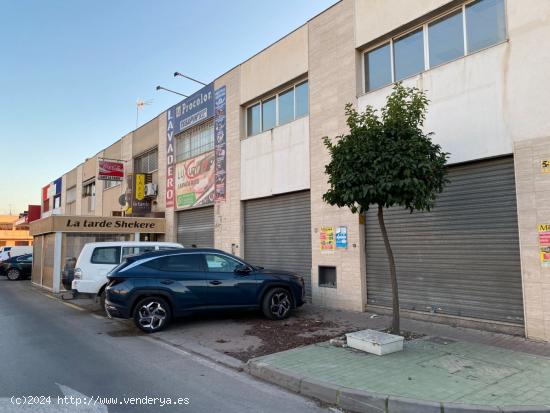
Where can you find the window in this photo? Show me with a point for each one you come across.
(269, 114)
(327, 277)
(57, 202)
(25, 258)
(378, 68)
(408, 55)
(466, 29)
(221, 263)
(106, 255)
(177, 263)
(195, 141)
(485, 24)
(110, 184)
(302, 100)
(88, 189)
(446, 39)
(71, 195)
(286, 107)
(147, 162)
(278, 110)
(129, 251)
(253, 120)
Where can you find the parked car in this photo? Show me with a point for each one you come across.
(157, 286)
(7, 252)
(17, 268)
(97, 259)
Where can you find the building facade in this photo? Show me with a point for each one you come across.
(239, 165)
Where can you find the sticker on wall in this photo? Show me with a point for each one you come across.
(326, 239)
(342, 238)
(544, 244)
(545, 166)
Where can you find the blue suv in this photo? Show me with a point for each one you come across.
(154, 287)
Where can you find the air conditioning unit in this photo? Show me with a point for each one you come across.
(151, 190)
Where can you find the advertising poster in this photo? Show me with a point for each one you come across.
(342, 237)
(220, 143)
(110, 171)
(135, 192)
(195, 181)
(326, 239)
(544, 244)
(545, 166)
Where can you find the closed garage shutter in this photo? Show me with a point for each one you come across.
(196, 227)
(462, 258)
(277, 233)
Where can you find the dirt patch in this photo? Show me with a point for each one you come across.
(287, 334)
(409, 335)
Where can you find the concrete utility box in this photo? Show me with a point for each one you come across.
(375, 342)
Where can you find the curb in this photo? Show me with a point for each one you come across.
(364, 401)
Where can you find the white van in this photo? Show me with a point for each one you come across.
(7, 252)
(97, 259)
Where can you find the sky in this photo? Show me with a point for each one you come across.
(71, 72)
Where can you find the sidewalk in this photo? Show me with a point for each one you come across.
(432, 374)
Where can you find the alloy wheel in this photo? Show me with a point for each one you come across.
(152, 315)
(280, 304)
(13, 274)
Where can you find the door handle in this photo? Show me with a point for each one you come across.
(216, 282)
(167, 282)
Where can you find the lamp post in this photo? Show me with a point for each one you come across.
(176, 74)
(173, 91)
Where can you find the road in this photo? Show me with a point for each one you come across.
(50, 349)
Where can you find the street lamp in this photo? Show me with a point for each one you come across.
(176, 74)
(173, 91)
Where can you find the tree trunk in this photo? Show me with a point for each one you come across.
(393, 275)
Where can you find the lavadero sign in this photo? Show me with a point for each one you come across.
(189, 112)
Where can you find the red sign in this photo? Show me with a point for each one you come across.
(111, 171)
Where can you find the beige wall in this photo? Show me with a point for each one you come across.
(146, 137)
(275, 66)
(332, 85)
(228, 214)
(89, 168)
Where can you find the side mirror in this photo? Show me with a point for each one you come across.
(243, 269)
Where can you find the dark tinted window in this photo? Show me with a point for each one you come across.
(106, 255)
(177, 263)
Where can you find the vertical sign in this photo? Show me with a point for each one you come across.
(220, 142)
(326, 239)
(342, 237)
(170, 158)
(544, 244)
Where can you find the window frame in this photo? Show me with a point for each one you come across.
(275, 96)
(181, 138)
(144, 154)
(424, 26)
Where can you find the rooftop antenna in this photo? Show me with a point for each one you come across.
(140, 104)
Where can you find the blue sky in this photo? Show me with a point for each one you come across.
(71, 71)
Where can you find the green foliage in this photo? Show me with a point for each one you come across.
(386, 159)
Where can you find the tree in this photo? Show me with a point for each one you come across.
(386, 160)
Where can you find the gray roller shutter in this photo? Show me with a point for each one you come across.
(277, 233)
(462, 258)
(196, 227)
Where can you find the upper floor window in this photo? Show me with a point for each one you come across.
(195, 141)
(110, 184)
(71, 195)
(473, 26)
(284, 107)
(147, 163)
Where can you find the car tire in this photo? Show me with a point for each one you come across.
(102, 298)
(13, 274)
(152, 314)
(277, 304)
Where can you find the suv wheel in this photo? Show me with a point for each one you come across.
(277, 304)
(13, 274)
(102, 298)
(152, 314)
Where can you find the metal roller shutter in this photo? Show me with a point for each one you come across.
(196, 227)
(277, 233)
(462, 258)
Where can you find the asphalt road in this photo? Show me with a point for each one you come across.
(50, 349)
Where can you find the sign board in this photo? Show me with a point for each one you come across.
(195, 181)
(342, 237)
(90, 224)
(220, 143)
(326, 239)
(189, 112)
(110, 170)
(545, 166)
(544, 244)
